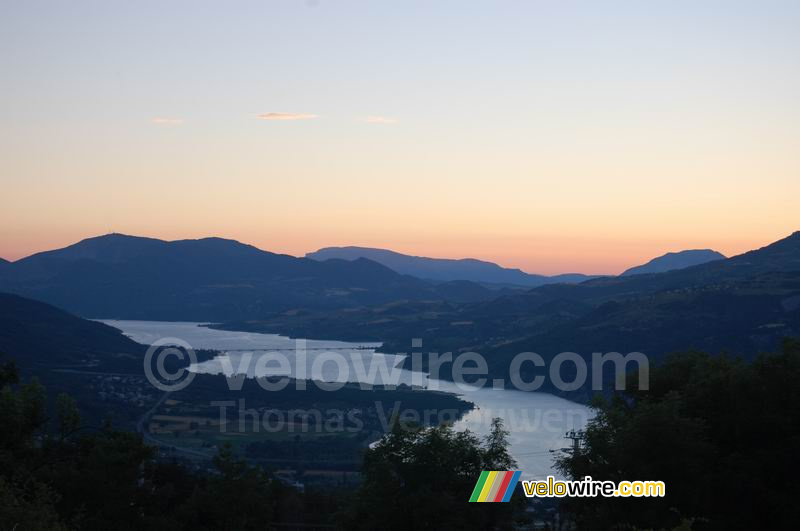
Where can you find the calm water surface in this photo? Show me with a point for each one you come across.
(537, 421)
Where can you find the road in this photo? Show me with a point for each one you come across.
(141, 427)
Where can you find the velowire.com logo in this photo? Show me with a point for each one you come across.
(494, 486)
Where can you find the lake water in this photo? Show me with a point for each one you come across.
(537, 421)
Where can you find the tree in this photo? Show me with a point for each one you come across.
(239, 497)
(718, 431)
(82, 477)
(67, 415)
(23, 497)
(417, 478)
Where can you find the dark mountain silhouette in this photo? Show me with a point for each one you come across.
(673, 261)
(37, 335)
(211, 279)
(445, 269)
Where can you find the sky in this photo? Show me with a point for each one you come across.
(552, 136)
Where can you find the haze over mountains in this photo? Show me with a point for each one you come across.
(445, 269)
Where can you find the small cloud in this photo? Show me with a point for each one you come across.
(378, 120)
(286, 116)
(167, 121)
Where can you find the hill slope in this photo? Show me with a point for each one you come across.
(444, 269)
(673, 261)
(36, 334)
(741, 318)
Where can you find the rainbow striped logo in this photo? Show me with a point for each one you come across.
(495, 486)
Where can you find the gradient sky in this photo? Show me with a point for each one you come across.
(551, 136)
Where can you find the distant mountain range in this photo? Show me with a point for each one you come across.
(211, 279)
(446, 269)
(489, 273)
(219, 280)
(678, 260)
(743, 304)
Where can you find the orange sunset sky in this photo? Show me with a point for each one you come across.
(549, 136)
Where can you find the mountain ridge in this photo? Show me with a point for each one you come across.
(209, 279)
(675, 260)
(445, 269)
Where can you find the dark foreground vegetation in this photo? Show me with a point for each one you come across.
(57, 474)
(721, 433)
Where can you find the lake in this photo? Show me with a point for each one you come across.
(537, 421)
